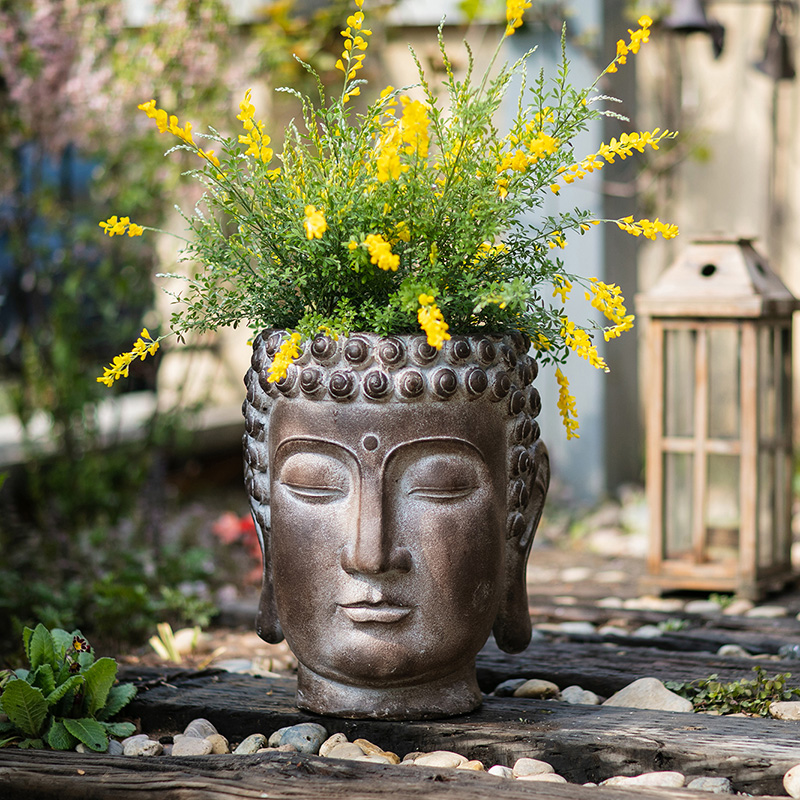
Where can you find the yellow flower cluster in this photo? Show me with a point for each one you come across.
(566, 406)
(562, 286)
(145, 345)
(432, 321)
(647, 229)
(355, 44)
(380, 252)
(622, 148)
(638, 38)
(514, 11)
(579, 340)
(167, 123)
(255, 138)
(606, 297)
(287, 353)
(170, 123)
(539, 145)
(314, 223)
(116, 227)
(414, 127)
(388, 161)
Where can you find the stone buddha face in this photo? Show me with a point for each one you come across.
(390, 554)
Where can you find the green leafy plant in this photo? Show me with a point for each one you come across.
(722, 600)
(745, 696)
(422, 211)
(672, 625)
(66, 696)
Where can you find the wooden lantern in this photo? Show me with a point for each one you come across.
(719, 422)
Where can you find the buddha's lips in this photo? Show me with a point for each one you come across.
(382, 611)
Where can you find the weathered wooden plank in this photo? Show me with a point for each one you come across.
(583, 743)
(605, 668)
(280, 776)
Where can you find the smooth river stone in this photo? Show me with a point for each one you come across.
(649, 693)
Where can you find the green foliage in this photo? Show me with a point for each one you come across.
(120, 595)
(66, 696)
(722, 600)
(743, 696)
(363, 213)
(672, 625)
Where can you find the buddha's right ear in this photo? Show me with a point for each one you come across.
(268, 627)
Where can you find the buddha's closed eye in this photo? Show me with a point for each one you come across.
(315, 478)
(441, 478)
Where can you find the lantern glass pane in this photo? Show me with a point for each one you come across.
(678, 504)
(766, 508)
(767, 390)
(722, 507)
(724, 402)
(679, 360)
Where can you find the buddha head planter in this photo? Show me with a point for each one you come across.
(396, 490)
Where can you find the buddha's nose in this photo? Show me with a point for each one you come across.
(372, 549)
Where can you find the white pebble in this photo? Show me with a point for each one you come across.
(331, 742)
(538, 689)
(531, 766)
(649, 693)
(767, 612)
(785, 709)
(199, 729)
(733, 651)
(667, 779)
(346, 750)
(791, 781)
(440, 758)
(548, 777)
(713, 785)
(579, 696)
(501, 771)
(191, 746)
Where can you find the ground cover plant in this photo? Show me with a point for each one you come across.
(66, 697)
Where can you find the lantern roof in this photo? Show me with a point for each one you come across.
(718, 277)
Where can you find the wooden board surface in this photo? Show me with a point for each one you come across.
(583, 743)
(70, 776)
(605, 668)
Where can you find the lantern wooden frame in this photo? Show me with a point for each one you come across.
(732, 318)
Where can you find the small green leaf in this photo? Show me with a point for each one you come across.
(60, 691)
(89, 731)
(25, 706)
(62, 641)
(31, 744)
(42, 650)
(43, 679)
(26, 641)
(58, 737)
(119, 728)
(99, 677)
(118, 698)
(5, 742)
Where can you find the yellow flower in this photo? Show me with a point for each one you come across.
(167, 123)
(414, 127)
(579, 340)
(145, 345)
(561, 287)
(566, 406)
(287, 353)
(255, 138)
(116, 227)
(388, 161)
(514, 11)
(646, 228)
(432, 322)
(314, 223)
(381, 252)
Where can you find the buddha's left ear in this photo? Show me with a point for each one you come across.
(268, 626)
(512, 627)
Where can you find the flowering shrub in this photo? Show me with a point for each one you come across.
(411, 214)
